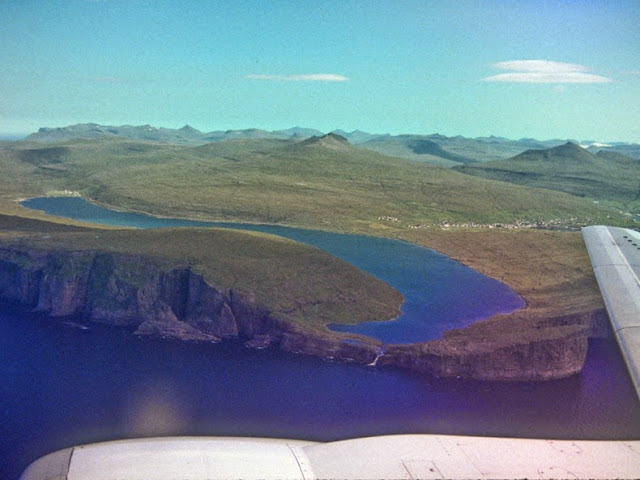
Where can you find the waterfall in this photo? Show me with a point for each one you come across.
(375, 360)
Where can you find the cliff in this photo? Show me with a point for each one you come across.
(129, 291)
(552, 353)
(175, 302)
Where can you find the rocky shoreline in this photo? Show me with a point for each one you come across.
(175, 302)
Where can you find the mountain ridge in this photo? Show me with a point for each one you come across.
(603, 176)
(433, 148)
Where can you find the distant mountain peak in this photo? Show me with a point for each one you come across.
(189, 129)
(356, 136)
(334, 137)
(566, 150)
(568, 168)
(570, 144)
(331, 140)
(569, 149)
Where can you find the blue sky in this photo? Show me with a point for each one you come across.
(542, 69)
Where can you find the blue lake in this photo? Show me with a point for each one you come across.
(62, 386)
(439, 294)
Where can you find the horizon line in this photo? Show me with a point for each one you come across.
(22, 134)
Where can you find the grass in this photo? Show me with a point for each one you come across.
(309, 184)
(606, 177)
(319, 184)
(297, 282)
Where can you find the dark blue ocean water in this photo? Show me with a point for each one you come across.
(440, 294)
(61, 385)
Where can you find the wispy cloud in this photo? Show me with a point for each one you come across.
(313, 77)
(544, 71)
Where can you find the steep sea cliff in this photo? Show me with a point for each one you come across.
(173, 301)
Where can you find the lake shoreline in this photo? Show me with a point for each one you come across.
(538, 352)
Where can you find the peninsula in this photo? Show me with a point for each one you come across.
(217, 284)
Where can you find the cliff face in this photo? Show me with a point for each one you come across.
(178, 303)
(555, 353)
(129, 291)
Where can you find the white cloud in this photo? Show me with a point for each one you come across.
(540, 66)
(313, 77)
(544, 71)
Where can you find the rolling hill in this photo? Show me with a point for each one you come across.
(186, 135)
(320, 182)
(415, 147)
(436, 149)
(605, 176)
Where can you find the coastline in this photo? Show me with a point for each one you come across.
(505, 255)
(135, 291)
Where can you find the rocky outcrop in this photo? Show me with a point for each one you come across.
(129, 291)
(556, 352)
(596, 322)
(330, 346)
(176, 302)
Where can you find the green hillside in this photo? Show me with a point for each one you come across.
(415, 147)
(607, 177)
(320, 182)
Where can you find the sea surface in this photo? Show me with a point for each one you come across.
(66, 382)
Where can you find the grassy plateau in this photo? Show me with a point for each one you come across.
(298, 282)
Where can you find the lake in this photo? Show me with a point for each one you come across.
(429, 281)
(61, 385)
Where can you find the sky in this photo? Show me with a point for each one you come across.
(538, 69)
